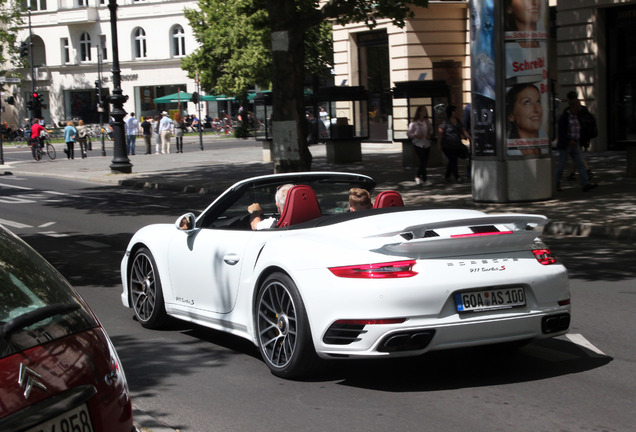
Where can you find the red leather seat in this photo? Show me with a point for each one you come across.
(301, 205)
(388, 199)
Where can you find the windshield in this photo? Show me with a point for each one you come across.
(332, 191)
(36, 303)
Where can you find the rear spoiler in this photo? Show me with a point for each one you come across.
(422, 241)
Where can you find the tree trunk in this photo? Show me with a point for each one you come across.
(289, 124)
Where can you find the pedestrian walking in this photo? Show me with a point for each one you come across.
(165, 129)
(420, 131)
(569, 143)
(81, 137)
(132, 129)
(146, 132)
(449, 141)
(69, 137)
(589, 130)
(155, 131)
(179, 128)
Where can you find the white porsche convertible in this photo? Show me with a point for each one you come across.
(329, 283)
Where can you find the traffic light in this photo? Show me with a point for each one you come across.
(98, 89)
(195, 97)
(24, 49)
(10, 100)
(36, 100)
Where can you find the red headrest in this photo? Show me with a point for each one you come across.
(388, 199)
(301, 205)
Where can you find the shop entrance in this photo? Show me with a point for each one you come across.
(373, 58)
(621, 48)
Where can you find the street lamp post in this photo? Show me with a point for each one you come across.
(100, 103)
(121, 163)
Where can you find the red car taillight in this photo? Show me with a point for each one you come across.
(396, 269)
(544, 256)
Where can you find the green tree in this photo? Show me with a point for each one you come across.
(10, 19)
(230, 30)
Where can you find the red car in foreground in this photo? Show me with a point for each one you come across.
(58, 369)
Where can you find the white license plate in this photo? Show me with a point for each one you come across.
(490, 299)
(75, 420)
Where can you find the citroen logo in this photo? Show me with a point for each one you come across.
(29, 379)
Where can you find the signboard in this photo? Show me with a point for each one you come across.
(527, 87)
(9, 80)
(482, 48)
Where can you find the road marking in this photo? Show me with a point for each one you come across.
(92, 244)
(48, 224)
(581, 341)
(15, 187)
(14, 224)
(53, 234)
(16, 200)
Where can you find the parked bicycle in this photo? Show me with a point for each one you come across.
(41, 145)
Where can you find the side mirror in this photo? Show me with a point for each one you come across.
(186, 222)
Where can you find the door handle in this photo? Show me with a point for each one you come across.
(231, 258)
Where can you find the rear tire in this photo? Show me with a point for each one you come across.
(146, 292)
(283, 333)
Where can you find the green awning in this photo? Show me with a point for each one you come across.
(180, 96)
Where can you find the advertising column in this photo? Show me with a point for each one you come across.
(509, 46)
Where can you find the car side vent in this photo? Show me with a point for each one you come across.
(481, 229)
(408, 235)
(430, 233)
(343, 334)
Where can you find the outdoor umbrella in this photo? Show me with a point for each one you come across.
(180, 96)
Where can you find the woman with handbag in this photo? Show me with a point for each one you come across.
(449, 141)
(81, 137)
(420, 132)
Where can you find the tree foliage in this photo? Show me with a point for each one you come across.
(10, 19)
(235, 46)
(246, 42)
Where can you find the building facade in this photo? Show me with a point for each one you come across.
(591, 52)
(72, 42)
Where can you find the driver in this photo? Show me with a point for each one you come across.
(256, 212)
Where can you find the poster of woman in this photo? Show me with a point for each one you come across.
(527, 89)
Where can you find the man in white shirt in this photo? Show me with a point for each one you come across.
(256, 212)
(165, 130)
(132, 128)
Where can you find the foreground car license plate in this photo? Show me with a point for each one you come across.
(77, 419)
(486, 300)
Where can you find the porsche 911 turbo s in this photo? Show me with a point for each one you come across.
(328, 283)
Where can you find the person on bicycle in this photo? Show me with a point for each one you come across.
(36, 132)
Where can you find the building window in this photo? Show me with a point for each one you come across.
(66, 51)
(140, 43)
(35, 5)
(103, 47)
(85, 47)
(178, 41)
(82, 3)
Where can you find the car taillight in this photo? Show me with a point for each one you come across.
(396, 269)
(544, 256)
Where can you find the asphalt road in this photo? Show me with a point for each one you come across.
(195, 379)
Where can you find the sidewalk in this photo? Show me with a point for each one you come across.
(608, 211)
